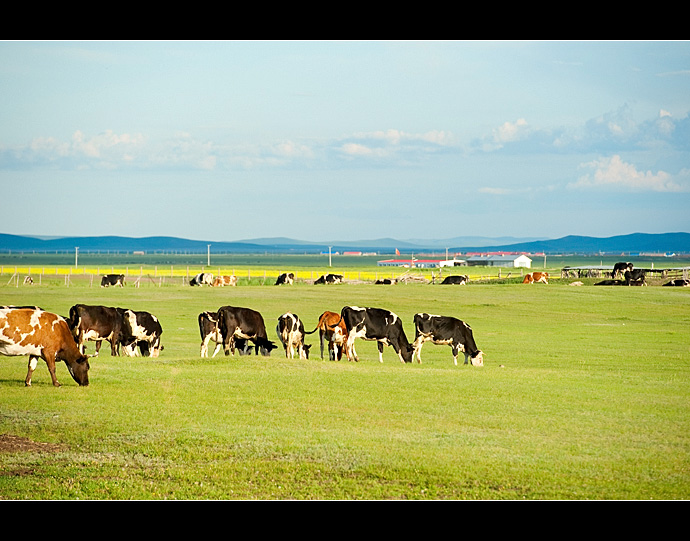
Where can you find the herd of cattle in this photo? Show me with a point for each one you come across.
(30, 330)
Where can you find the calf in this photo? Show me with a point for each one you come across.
(96, 323)
(333, 331)
(375, 324)
(536, 277)
(142, 330)
(456, 280)
(285, 278)
(222, 281)
(201, 279)
(446, 330)
(243, 323)
(290, 330)
(113, 280)
(44, 335)
(330, 279)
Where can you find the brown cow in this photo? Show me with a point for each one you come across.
(40, 334)
(336, 336)
(532, 277)
(222, 281)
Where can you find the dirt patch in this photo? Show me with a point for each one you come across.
(16, 444)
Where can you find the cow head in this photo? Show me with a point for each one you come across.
(79, 370)
(478, 359)
(306, 348)
(406, 352)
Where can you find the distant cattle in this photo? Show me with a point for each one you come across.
(330, 279)
(620, 268)
(449, 331)
(243, 323)
(385, 281)
(96, 323)
(377, 324)
(201, 279)
(40, 334)
(635, 277)
(611, 283)
(333, 332)
(113, 280)
(222, 281)
(536, 277)
(460, 280)
(290, 330)
(140, 330)
(285, 278)
(208, 328)
(678, 283)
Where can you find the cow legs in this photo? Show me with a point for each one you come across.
(417, 345)
(33, 362)
(351, 353)
(380, 347)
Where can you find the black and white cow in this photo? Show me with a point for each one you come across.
(113, 280)
(635, 277)
(610, 283)
(678, 283)
(208, 328)
(201, 279)
(142, 330)
(621, 268)
(285, 278)
(96, 323)
(377, 324)
(290, 331)
(330, 279)
(245, 324)
(446, 330)
(460, 280)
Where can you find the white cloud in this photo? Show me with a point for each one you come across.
(510, 131)
(613, 172)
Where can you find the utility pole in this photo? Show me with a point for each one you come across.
(329, 257)
(208, 254)
(76, 257)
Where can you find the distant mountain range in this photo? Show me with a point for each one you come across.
(636, 242)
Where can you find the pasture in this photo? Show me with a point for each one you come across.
(584, 395)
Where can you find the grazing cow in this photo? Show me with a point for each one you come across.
(611, 283)
(621, 268)
(385, 281)
(678, 283)
(446, 330)
(201, 279)
(536, 277)
(377, 324)
(222, 281)
(285, 278)
(290, 330)
(208, 328)
(143, 330)
(332, 329)
(243, 323)
(113, 280)
(460, 280)
(96, 323)
(329, 279)
(635, 277)
(40, 334)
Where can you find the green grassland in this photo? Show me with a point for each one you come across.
(584, 395)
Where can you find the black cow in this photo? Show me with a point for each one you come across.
(678, 283)
(446, 330)
(377, 324)
(113, 280)
(456, 280)
(635, 277)
(329, 279)
(243, 323)
(142, 330)
(290, 330)
(611, 283)
(621, 268)
(96, 323)
(285, 278)
(201, 279)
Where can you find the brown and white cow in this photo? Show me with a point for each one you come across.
(222, 281)
(333, 331)
(291, 333)
(40, 334)
(536, 277)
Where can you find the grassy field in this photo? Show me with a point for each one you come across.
(584, 395)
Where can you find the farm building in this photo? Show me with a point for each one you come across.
(422, 263)
(500, 261)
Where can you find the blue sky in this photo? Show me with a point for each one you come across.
(342, 140)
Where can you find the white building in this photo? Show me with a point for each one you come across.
(500, 261)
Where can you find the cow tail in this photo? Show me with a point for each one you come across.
(338, 323)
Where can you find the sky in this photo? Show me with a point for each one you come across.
(344, 140)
